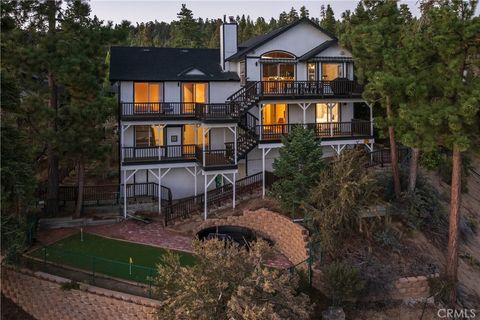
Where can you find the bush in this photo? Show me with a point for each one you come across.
(343, 191)
(343, 282)
(388, 239)
(440, 288)
(14, 236)
(71, 285)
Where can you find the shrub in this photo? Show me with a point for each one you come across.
(388, 239)
(440, 287)
(297, 168)
(343, 282)
(343, 191)
(71, 285)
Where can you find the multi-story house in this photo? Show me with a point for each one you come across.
(193, 119)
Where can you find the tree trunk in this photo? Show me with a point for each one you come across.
(52, 185)
(453, 230)
(412, 176)
(80, 184)
(393, 151)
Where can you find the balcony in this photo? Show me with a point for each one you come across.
(209, 159)
(324, 89)
(206, 112)
(178, 153)
(331, 130)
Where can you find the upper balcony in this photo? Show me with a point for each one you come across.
(321, 89)
(171, 111)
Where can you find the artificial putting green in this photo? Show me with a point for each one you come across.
(108, 256)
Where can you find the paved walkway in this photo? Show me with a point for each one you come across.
(151, 234)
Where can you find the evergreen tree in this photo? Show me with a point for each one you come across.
(373, 36)
(186, 31)
(448, 39)
(327, 20)
(304, 12)
(297, 168)
(292, 15)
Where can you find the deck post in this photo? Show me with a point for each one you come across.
(330, 107)
(263, 173)
(159, 190)
(260, 133)
(122, 154)
(371, 119)
(124, 194)
(235, 145)
(205, 199)
(234, 190)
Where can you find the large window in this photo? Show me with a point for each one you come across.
(195, 92)
(148, 92)
(311, 71)
(276, 66)
(331, 71)
(189, 135)
(324, 114)
(147, 136)
(274, 114)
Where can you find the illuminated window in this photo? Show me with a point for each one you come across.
(147, 92)
(274, 114)
(331, 71)
(324, 114)
(195, 92)
(311, 72)
(148, 136)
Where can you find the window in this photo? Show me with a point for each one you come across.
(311, 71)
(195, 92)
(147, 92)
(331, 71)
(274, 114)
(324, 114)
(189, 135)
(278, 55)
(147, 136)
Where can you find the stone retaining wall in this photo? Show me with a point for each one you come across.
(407, 288)
(290, 238)
(41, 296)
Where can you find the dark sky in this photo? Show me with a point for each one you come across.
(166, 10)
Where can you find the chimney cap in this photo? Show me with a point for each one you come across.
(231, 18)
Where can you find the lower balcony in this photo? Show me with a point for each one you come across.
(159, 153)
(329, 130)
(210, 159)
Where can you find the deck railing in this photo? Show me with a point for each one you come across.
(183, 208)
(184, 152)
(110, 193)
(173, 110)
(321, 130)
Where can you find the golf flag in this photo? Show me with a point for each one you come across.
(131, 260)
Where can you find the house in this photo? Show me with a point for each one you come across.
(191, 120)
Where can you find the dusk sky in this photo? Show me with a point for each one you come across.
(143, 11)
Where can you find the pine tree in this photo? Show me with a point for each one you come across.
(292, 15)
(297, 168)
(373, 36)
(449, 40)
(304, 12)
(186, 31)
(327, 20)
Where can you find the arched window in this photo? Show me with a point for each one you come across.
(278, 55)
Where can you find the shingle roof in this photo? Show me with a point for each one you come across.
(257, 41)
(317, 50)
(166, 64)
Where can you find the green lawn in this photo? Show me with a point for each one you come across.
(108, 256)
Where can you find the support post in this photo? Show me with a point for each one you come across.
(122, 144)
(203, 142)
(260, 120)
(235, 144)
(159, 190)
(159, 144)
(195, 181)
(263, 173)
(205, 199)
(234, 190)
(125, 194)
(371, 119)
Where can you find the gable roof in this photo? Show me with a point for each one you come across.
(166, 64)
(312, 53)
(257, 41)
